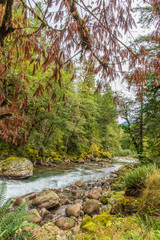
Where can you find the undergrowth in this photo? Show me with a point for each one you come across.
(12, 222)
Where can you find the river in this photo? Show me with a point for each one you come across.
(61, 176)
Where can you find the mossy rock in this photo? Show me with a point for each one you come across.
(47, 199)
(16, 167)
(65, 223)
(57, 160)
(86, 220)
(100, 220)
(116, 197)
(125, 206)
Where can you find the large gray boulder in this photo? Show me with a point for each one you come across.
(16, 168)
(47, 199)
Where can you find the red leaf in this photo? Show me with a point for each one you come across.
(49, 108)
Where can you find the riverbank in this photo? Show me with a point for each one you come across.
(61, 176)
(101, 210)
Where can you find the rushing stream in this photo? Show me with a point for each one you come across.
(61, 176)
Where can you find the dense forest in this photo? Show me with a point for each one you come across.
(58, 60)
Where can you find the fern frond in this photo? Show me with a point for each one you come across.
(3, 189)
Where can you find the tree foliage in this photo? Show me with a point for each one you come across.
(50, 34)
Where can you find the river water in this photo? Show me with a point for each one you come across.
(61, 176)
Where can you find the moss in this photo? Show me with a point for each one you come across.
(10, 160)
(125, 206)
(86, 220)
(104, 200)
(90, 227)
(104, 219)
(57, 160)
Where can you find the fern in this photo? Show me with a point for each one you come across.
(12, 223)
(136, 179)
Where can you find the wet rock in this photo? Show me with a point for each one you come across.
(65, 223)
(37, 218)
(81, 161)
(19, 200)
(113, 175)
(47, 199)
(79, 183)
(105, 164)
(16, 168)
(91, 207)
(94, 194)
(73, 210)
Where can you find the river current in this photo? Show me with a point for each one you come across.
(61, 176)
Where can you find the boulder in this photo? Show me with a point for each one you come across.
(47, 199)
(73, 210)
(79, 183)
(94, 194)
(37, 218)
(16, 168)
(65, 223)
(91, 207)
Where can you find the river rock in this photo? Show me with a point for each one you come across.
(94, 194)
(91, 206)
(16, 168)
(73, 210)
(81, 161)
(37, 218)
(19, 200)
(65, 223)
(79, 183)
(65, 202)
(50, 227)
(47, 199)
(44, 212)
(75, 230)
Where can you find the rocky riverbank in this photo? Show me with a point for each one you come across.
(61, 212)
(17, 168)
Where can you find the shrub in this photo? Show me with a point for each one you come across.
(125, 152)
(135, 180)
(150, 200)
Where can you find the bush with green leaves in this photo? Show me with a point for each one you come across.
(135, 180)
(12, 222)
